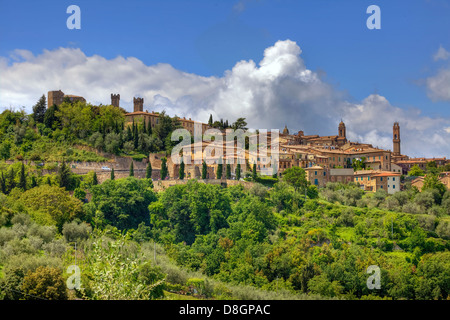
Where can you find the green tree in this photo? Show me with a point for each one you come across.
(22, 178)
(163, 168)
(33, 181)
(116, 273)
(254, 174)
(181, 172)
(240, 123)
(219, 170)
(3, 184)
(39, 110)
(112, 174)
(238, 171)
(431, 167)
(148, 171)
(50, 118)
(204, 170)
(296, 177)
(131, 169)
(210, 121)
(5, 149)
(11, 179)
(51, 205)
(415, 171)
(122, 203)
(64, 176)
(228, 172)
(94, 179)
(45, 283)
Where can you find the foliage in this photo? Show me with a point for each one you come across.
(122, 203)
(44, 283)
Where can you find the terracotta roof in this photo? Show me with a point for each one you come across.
(387, 174)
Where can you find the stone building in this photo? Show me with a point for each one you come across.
(57, 97)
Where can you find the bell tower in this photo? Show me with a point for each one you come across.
(342, 130)
(396, 138)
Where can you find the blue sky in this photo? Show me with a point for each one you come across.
(208, 38)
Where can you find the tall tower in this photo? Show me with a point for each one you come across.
(138, 104)
(396, 139)
(55, 97)
(342, 130)
(115, 100)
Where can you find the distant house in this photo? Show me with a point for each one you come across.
(373, 180)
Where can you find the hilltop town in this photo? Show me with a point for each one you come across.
(324, 158)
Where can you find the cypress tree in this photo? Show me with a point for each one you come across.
(148, 172)
(210, 121)
(3, 184)
(112, 174)
(33, 181)
(11, 178)
(64, 175)
(181, 172)
(149, 128)
(131, 169)
(129, 134)
(219, 170)
(94, 179)
(163, 168)
(228, 173)
(136, 140)
(254, 175)
(204, 170)
(238, 171)
(22, 178)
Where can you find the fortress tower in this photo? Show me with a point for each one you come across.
(396, 139)
(115, 100)
(55, 97)
(138, 104)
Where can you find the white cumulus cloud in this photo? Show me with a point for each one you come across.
(276, 91)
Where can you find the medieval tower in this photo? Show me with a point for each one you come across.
(115, 100)
(342, 130)
(138, 104)
(396, 139)
(55, 98)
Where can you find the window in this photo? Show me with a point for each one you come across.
(393, 187)
(368, 178)
(316, 182)
(381, 179)
(393, 179)
(315, 173)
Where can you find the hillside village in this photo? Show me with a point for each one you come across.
(324, 158)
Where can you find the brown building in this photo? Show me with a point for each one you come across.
(57, 97)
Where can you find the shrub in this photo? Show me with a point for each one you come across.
(75, 232)
(46, 283)
(443, 229)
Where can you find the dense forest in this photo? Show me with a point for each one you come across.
(201, 241)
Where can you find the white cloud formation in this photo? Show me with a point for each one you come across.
(277, 91)
(438, 86)
(441, 54)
